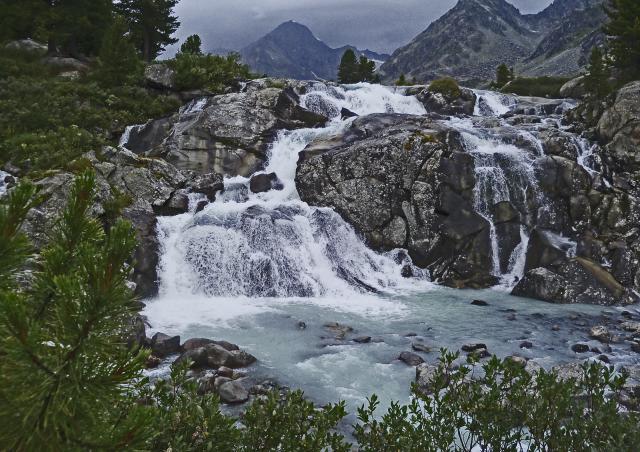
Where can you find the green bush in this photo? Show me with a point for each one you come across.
(504, 410)
(46, 121)
(69, 382)
(210, 72)
(537, 86)
(447, 86)
(119, 63)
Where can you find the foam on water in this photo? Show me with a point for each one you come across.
(251, 268)
(271, 248)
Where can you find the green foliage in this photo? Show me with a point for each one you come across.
(537, 86)
(185, 420)
(597, 78)
(348, 71)
(46, 121)
(446, 86)
(211, 72)
(291, 425)
(119, 63)
(114, 206)
(67, 381)
(73, 26)
(504, 410)
(152, 24)
(503, 75)
(623, 30)
(352, 70)
(367, 70)
(21, 18)
(14, 246)
(193, 45)
(402, 81)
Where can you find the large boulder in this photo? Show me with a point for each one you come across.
(435, 102)
(574, 88)
(404, 182)
(27, 45)
(212, 355)
(576, 280)
(619, 126)
(66, 64)
(160, 76)
(227, 134)
(261, 183)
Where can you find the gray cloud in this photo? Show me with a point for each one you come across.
(381, 25)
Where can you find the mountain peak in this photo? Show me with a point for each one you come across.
(475, 36)
(292, 50)
(291, 26)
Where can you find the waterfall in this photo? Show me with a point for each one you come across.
(504, 173)
(273, 244)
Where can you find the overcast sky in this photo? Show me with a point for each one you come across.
(380, 25)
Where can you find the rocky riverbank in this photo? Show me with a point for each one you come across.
(494, 190)
(404, 181)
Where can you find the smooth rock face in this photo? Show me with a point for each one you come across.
(227, 134)
(404, 182)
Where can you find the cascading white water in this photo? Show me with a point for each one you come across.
(273, 244)
(504, 173)
(3, 185)
(490, 103)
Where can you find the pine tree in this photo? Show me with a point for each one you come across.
(624, 36)
(349, 69)
(119, 63)
(192, 45)
(76, 26)
(402, 81)
(152, 23)
(366, 69)
(67, 381)
(596, 80)
(503, 75)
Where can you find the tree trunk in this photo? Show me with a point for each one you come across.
(146, 52)
(51, 46)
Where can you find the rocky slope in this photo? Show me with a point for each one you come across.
(291, 50)
(413, 182)
(404, 182)
(424, 184)
(474, 37)
(227, 134)
(605, 216)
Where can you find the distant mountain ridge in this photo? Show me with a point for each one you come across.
(291, 50)
(476, 36)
